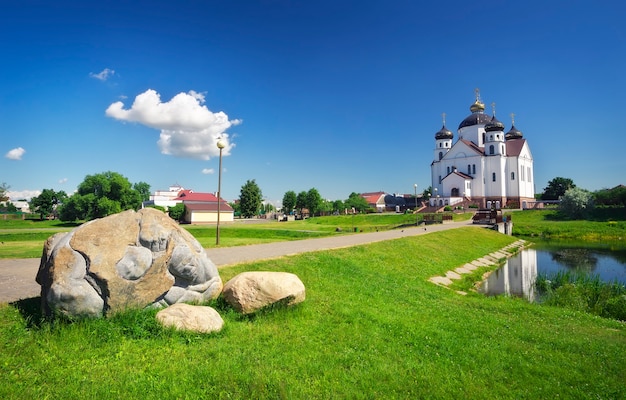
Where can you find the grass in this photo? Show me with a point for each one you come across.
(25, 238)
(584, 292)
(550, 224)
(372, 326)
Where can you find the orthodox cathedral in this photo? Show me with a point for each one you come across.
(485, 166)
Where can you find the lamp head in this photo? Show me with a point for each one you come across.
(220, 144)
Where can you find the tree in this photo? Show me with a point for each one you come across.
(46, 203)
(100, 195)
(250, 199)
(236, 209)
(143, 189)
(557, 188)
(301, 201)
(313, 201)
(177, 212)
(338, 206)
(4, 188)
(611, 197)
(357, 202)
(289, 201)
(427, 193)
(576, 203)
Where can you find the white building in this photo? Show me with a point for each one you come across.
(165, 198)
(485, 165)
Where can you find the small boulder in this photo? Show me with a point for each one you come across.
(186, 317)
(249, 292)
(129, 259)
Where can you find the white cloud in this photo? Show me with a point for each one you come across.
(103, 75)
(23, 194)
(208, 171)
(15, 154)
(62, 181)
(188, 128)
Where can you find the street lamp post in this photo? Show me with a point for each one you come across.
(220, 145)
(415, 187)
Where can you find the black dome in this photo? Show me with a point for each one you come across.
(514, 133)
(494, 125)
(475, 119)
(444, 133)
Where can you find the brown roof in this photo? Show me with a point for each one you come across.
(514, 146)
(473, 146)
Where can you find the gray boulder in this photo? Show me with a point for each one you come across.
(249, 292)
(130, 259)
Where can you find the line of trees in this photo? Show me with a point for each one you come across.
(97, 196)
(316, 205)
(578, 203)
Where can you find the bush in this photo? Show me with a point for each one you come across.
(576, 203)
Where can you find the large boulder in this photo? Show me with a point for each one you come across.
(130, 259)
(249, 292)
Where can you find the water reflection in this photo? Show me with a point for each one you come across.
(515, 278)
(576, 259)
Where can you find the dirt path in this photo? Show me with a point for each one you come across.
(17, 276)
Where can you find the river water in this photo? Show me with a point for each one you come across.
(517, 276)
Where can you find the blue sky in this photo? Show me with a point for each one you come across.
(341, 96)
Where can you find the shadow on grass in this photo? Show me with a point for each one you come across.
(30, 309)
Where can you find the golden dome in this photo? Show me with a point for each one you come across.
(478, 106)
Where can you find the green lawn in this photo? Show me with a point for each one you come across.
(372, 326)
(25, 238)
(547, 224)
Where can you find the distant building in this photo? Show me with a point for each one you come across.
(202, 207)
(164, 198)
(375, 200)
(21, 205)
(485, 165)
(199, 207)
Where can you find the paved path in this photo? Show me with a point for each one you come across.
(17, 276)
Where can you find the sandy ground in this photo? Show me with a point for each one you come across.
(17, 276)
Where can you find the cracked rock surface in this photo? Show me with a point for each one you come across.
(130, 259)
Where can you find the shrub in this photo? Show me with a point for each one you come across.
(576, 203)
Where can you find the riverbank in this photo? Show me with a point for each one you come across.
(371, 323)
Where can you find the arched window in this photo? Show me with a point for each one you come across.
(491, 138)
(440, 155)
(473, 169)
(448, 169)
(491, 149)
(493, 176)
(502, 147)
(439, 144)
(512, 176)
(469, 169)
(439, 178)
